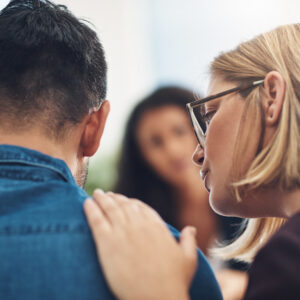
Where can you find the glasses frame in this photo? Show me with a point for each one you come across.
(200, 135)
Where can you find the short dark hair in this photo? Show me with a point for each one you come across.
(52, 67)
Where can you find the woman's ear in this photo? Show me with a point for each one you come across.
(274, 95)
(93, 130)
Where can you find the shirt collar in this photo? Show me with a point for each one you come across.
(21, 155)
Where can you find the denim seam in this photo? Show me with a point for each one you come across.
(45, 229)
(19, 176)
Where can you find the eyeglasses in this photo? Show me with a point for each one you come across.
(197, 113)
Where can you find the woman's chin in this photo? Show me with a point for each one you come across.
(226, 206)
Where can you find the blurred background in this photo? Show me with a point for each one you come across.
(151, 43)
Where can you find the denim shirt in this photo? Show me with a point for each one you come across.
(46, 248)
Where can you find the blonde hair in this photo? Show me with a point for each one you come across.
(278, 163)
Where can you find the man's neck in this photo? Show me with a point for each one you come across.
(36, 141)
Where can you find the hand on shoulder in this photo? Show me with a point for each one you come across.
(139, 256)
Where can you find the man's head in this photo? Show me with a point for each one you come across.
(52, 75)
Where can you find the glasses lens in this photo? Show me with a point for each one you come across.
(199, 112)
(198, 124)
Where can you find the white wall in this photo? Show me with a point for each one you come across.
(189, 34)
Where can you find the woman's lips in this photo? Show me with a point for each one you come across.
(206, 184)
(204, 175)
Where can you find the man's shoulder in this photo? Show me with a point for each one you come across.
(49, 252)
(52, 210)
(47, 211)
(44, 198)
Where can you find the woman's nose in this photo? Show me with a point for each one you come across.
(198, 156)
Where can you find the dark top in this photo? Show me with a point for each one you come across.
(275, 272)
(46, 247)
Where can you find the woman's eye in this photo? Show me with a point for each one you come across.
(208, 116)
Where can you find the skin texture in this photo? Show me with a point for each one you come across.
(217, 159)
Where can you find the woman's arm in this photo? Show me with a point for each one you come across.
(139, 256)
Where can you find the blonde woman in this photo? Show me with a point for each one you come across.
(248, 148)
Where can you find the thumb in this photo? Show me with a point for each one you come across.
(188, 244)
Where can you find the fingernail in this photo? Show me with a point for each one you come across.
(88, 201)
(193, 230)
(99, 191)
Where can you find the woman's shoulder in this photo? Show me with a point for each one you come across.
(274, 273)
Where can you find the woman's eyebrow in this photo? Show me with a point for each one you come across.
(212, 103)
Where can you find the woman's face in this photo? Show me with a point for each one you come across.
(167, 141)
(221, 139)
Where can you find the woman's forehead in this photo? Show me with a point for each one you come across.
(217, 85)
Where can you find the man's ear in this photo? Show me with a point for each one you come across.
(274, 95)
(93, 130)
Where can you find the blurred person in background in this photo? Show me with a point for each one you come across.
(156, 167)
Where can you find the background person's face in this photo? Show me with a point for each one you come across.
(167, 141)
(221, 140)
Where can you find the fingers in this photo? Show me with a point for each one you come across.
(110, 206)
(130, 208)
(188, 245)
(119, 210)
(96, 219)
(117, 207)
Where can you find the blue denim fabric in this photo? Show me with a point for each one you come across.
(46, 249)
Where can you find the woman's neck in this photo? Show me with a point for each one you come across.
(273, 202)
(291, 203)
